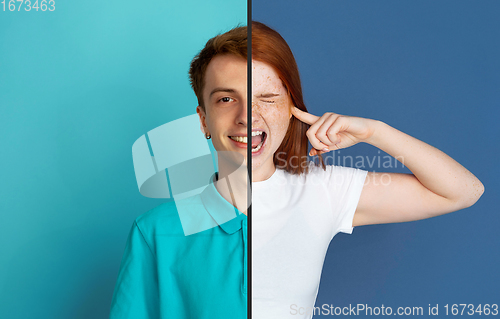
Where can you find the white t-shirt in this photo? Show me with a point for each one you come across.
(294, 218)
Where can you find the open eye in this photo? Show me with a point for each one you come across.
(268, 101)
(226, 99)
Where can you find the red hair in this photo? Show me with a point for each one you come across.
(269, 47)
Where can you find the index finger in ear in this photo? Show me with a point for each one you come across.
(305, 117)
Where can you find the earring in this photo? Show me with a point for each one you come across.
(208, 136)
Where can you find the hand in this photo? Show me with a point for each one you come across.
(334, 131)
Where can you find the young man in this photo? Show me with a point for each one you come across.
(166, 274)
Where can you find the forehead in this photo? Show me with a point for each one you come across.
(225, 71)
(265, 79)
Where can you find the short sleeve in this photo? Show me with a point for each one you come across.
(136, 292)
(344, 185)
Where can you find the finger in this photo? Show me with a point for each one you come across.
(305, 117)
(315, 152)
(322, 133)
(341, 124)
(311, 133)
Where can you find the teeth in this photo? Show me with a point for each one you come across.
(257, 148)
(241, 139)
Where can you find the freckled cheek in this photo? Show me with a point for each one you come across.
(277, 116)
(282, 118)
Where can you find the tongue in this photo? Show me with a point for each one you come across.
(256, 140)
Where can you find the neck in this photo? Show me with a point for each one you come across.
(232, 185)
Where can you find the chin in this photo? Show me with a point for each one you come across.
(258, 162)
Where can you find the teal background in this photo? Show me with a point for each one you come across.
(77, 87)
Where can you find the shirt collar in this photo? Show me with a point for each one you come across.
(228, 217)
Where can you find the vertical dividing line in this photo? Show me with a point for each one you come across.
(249, 157)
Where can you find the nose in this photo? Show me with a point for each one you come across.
(242, 117)
(255, 113)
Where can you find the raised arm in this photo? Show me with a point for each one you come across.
(438, 185)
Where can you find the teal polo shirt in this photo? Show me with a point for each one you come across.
(165, 274)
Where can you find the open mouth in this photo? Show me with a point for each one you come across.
(258, 140)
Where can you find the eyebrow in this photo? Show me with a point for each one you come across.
(268, 95)
(221, 90)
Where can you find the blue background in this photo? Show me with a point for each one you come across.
(432, 70)
(77, 87)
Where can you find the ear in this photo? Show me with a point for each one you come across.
(202, 115)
